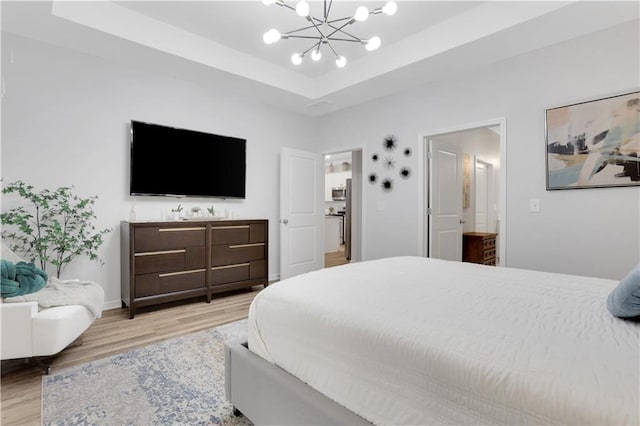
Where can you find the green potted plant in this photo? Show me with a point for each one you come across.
(211, 211)
(51, 228)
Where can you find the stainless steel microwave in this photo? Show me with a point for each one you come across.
(339, 193)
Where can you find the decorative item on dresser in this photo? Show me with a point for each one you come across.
(479, 247)
(168, 261)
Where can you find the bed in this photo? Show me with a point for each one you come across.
(411, 340)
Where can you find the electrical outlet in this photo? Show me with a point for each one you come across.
(534, 205)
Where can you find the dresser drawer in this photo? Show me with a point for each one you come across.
(489, 253)
(237, 253)
(154, 284)
(238, 234)
(233, 234)
(489, 243)
(230, 273)
(158, 238)
(257, 269)
(170, 260)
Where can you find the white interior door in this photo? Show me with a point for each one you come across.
(445, 201)
(482, 197)
(301, 212)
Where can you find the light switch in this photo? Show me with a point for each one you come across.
(380, 206)
(534, 205)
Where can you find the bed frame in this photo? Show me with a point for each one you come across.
(266, 394)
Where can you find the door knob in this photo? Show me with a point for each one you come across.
(285, 221)
(461, 220)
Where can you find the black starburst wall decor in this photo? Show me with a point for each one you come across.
(388, 164)
(390, 143)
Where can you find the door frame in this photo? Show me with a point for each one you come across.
(490, 187)
(359, 254)
(423, 181)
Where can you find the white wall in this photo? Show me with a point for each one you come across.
(589, 232)
(65, 118)
(484, 145)
(65, 121)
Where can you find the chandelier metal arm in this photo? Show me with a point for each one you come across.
(343, 32)
(311, 48)
(339, 20)
(283, 4)
(327, 11)
(299, 29)
(315, 26)
(339, 29)
(345, 39)
(307, 37)
(332, 49)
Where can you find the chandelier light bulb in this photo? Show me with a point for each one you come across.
(390, 8)
(302, 8)
(362, 13)
(296, 58)
(271, 36)
(341, 61)
(316, 55)
(373, 43)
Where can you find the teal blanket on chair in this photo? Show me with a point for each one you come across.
(20, 278)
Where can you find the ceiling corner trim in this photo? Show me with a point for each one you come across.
(124, 23)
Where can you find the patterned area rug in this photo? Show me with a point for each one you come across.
(178, 381)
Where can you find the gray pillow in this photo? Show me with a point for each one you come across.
(624, 300)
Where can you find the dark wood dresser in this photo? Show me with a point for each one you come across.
(167, 261)
(479, 247)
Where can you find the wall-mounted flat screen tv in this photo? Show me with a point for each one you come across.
(186, 163)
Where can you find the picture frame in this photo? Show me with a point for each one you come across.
(594, 144)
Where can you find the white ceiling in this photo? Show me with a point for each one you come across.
(221, 41)
(240, 25)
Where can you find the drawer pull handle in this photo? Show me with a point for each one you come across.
(246, 245)
(200, 228)
(171, 274)
(153, 253)
(213, 228)
(230, 266)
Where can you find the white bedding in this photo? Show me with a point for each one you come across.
(410, 340)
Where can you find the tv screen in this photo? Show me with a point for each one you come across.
(178, 162)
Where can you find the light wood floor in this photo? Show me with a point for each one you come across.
(114, 333)
(335, 258)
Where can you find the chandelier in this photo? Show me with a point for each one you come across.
(325, 31)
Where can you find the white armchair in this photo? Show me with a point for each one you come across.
(27, 332)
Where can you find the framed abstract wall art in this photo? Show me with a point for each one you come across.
(594, 144)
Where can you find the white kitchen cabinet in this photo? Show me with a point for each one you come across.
(331, 233)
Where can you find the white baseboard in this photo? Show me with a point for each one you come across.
(112, 304)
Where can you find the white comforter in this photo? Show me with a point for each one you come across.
(411, 340)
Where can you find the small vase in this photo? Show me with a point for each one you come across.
(176, 215)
